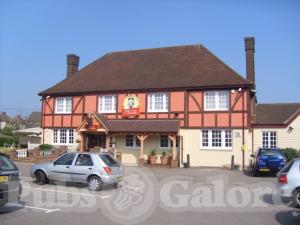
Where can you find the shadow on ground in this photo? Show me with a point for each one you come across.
(291, 217)
(12, 207)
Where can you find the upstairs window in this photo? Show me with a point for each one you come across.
(63, 105)
(107, 104)
(158, 102)
(269, 139)
(216, 100)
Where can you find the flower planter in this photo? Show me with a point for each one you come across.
(152, 159)
(164, 160)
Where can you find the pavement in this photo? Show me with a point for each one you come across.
(154, 196)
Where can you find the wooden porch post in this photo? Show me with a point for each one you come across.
(81, 142)
(142, 138)
(174, 161)
(107, 141)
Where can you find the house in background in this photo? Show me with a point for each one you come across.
(34, 120)
(183, 100)
(5, 120)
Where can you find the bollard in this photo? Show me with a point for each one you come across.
(188, 160)
(232, 162)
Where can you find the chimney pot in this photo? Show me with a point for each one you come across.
(72, 64)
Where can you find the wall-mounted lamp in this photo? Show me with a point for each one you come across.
(290, 129)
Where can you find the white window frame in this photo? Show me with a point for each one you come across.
(268, 135)
(225, 140)
(64, 100)
(216, 95)
(135, 141)
(56, 135)
(102, 104)
(152, 102)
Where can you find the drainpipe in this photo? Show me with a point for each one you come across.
(243, 136)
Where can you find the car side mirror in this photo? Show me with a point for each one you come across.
(252, 156)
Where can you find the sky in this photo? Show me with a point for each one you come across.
(36, 36)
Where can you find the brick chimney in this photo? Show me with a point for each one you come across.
(250, 50)
(250, 72)
(72, 64)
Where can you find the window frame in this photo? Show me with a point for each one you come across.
(225, 138)
(101, 104)
(151, 102)
(135, 140)
(217, 96)
(268, 140)
(56, 135)
(64, 105)
(170, 142)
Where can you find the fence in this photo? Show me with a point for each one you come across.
(22, 153)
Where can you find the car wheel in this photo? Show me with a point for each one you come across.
(296, 198)
(95, 183)
(40, 177)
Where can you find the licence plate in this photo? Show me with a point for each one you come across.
(120, 178)
(3, 178)
(264, 170)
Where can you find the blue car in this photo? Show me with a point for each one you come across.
(267, 160)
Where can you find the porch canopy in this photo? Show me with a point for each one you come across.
(96, 122)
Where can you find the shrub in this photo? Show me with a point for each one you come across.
(164, 153)
(7, 140)
(291, 153)
(45, 147)
(7, 131)
(153, 152)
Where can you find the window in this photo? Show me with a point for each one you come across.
(217, 139)
(132, 141)
(63, 105)
(216, 100)
(108, 160)
(84, 160)
(158, 102)
(107, 104)
(166, 142)
(66, 159)
(269, 139)
(63, 136)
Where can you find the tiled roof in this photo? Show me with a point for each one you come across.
(275, 114)
(191, 66)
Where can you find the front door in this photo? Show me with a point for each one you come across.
(61, 168)
(96, 140)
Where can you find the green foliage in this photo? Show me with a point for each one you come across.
(45, 147)
(164, 154)
(291, 153)
(7, 131)
(153, 152)
(7, 140)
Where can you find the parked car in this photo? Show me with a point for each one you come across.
(10, 185)
(289, 182)
(267, 160)
(91, 168)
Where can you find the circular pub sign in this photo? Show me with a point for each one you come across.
(131, 106)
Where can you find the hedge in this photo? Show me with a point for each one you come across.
(291, 153)
(7, 140)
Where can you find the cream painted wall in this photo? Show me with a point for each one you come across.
(285, 137)
(192, 144)
(48, 134)
(131, 155)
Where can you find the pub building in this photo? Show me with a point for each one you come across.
(181, 100)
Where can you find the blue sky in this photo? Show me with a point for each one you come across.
(36, 36)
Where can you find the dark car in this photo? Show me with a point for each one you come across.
(10, 186)
(267, 160)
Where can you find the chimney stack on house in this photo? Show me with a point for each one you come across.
(250, 50)
(250, 72)
(72, 64)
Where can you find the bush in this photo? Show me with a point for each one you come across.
(164, 154)
(153, 152)
(45, 147)
(291, 153)
(7, 140)
(7, 131)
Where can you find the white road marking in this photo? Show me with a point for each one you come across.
(26, 178)
(44, 209)
(131, 187)
(67, 192)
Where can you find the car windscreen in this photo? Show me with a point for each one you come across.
(109, 160)
(6, 164)
(271, 152)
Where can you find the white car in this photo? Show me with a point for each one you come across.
(289, 182)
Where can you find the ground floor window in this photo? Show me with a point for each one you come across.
(131, 141)
(166, 142)
(269, 139)
(63, 136)
(217, 138)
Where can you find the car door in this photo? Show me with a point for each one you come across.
(82, 168)
(61, 169)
